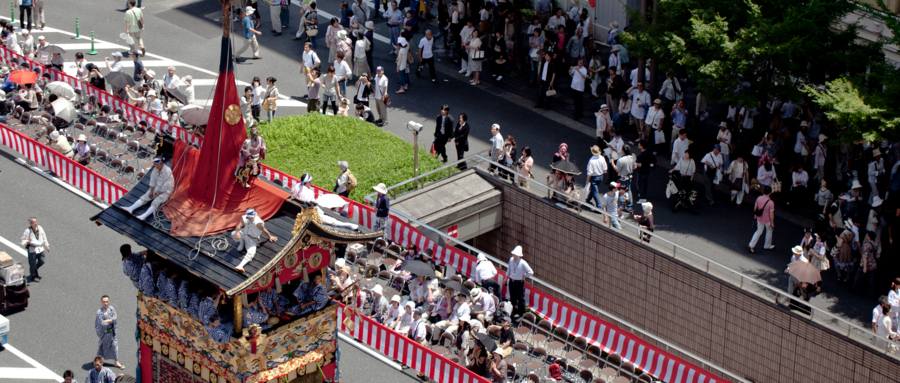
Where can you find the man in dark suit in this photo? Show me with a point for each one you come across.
(546, 75)
(443, 132)
(461, 137)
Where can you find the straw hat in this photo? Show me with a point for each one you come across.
(4, 71)
(804, 123)
(604, 107)
(82, 137)
(173, 106)
(476, 292)
(876, 152)
(797, 250)
(822, 137)
(595, 150)
(380, 188)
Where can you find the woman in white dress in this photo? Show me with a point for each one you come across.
(884, 329)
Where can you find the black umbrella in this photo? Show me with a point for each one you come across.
(456, 286)
(119, 80)
(418, 268)
(176, 95)
(565, 167)
(53, 49)
(488, 342)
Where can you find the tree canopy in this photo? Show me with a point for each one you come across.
(750, 50)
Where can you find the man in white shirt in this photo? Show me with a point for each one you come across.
(170, 80)
(310, 61)
(43, 57)
(611, 205)
(518, 271)
(654, 120)
(417, 330)
(35, 241)
(380, 94)
(465, 36)
(614, 57)
(426, 56)
(486, 274)
(247, 233)
(27, 44)
(724, 139)
(161, 186)
(116, 64)
(671, 89)
(640, 99)
(680, 146)
(342, 72)
(579, 74)
(712, 163)
(496, 143)
(488, 306)
(634, 74)
(394, 18)
(452, 324)
(624, 167)
(596, 169)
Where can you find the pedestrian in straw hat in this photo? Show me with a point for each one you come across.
(604, 123)
(382, 208)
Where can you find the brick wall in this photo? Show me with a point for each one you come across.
(712, 319)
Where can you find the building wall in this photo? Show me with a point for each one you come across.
(688, 308)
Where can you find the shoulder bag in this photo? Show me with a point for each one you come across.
(312, 30)
(776, 185)
(759, 212)
(478, 55)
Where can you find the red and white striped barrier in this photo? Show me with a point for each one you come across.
(641, 353)
(406, 351)
(72, 172)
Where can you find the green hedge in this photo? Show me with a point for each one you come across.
(314, 144)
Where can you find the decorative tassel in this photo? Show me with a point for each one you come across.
(244, 299)
(305, 273)
(277, 284)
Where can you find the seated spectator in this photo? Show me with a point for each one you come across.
(444, 308)
(379, 304)
(311, 296)
(507, 336)
(419, 292)
(341, 281)
(254, 313)
(498, 367)
(452, 324)
(393, 312)
(217, 332)
(60, 144)
(488, 306)
(479, 362)
(406, 320)
(82, 151)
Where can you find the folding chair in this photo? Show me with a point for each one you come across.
(115, 168)
(372, 271)
(127, 176)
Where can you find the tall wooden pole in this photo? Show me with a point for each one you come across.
(226, 17)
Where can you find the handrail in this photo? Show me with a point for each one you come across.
(850, 327)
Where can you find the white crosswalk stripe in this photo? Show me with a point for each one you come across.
(204, 80)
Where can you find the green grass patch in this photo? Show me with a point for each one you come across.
(314, 144)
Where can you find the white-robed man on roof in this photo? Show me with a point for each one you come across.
(247, 233)
(161, 186)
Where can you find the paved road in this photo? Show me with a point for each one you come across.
(187, 33)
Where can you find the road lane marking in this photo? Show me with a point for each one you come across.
(13, 246)
(45, 372)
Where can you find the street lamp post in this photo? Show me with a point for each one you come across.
(415, 127)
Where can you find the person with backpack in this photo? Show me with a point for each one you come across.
(346, 181)
(764, 213)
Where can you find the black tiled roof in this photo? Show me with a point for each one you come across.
(218, 269)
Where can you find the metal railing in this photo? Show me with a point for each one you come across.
(736, 278)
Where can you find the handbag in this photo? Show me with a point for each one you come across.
(825, 264)
(478, 55)
(551, 92)
(387, 99)
(757, 151)
(671, 189)
(534, 54)
(755, 185)
(659, 137)
(776, 185)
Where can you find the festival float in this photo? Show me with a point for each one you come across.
(192, 233)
